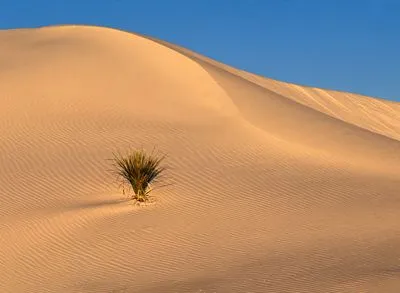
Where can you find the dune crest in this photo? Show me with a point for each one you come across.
(276, 187)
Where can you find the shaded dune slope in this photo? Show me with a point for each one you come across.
(276, 187)
(377, 115)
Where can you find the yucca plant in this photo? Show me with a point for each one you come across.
(139, 170)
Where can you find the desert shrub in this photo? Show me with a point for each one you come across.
(139, 170)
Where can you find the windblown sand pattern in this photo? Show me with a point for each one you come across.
(275, 187)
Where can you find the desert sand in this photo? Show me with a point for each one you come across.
(272, 187)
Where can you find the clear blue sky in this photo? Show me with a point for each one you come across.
(351, 45)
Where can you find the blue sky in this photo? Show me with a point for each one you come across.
(350, 45)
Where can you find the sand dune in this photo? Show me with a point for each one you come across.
(276, 187)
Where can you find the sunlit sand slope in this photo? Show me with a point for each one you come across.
(274, 187)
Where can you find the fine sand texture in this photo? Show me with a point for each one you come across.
(271, 187)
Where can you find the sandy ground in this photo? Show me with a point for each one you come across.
(275, 187)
